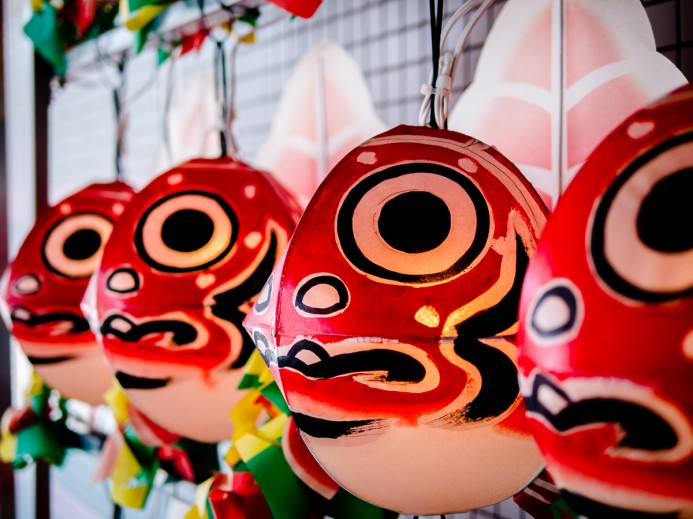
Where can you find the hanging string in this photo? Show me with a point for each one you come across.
(120, 117)
(436, 15)
(168, 101)
(233, 148)
(438, 91)
(224, 89)
(224, 98)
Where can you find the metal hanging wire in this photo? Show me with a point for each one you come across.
(225, 77)
(118, 94)
(437, 93)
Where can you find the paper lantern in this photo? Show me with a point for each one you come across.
(44, 285)
(325, 111)
(389, 324)
(607, 323)
(187, 258)
(302, 8)
(566, 73)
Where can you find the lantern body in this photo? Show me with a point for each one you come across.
(45, 283)
(607, 322)
(325, 111)
(185, 261)
(389, 325)
(567, 73)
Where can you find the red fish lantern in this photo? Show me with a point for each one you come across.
(45, 284)
(184, 263)
(607, 323)
(390, 323)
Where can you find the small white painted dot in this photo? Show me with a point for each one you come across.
(65, 208)
(688, 345)
(367, 157)
(468, 165)
(118, 208)
(204, 280)
(639, 129)
(253, 240)
(174, 179)
(249, 191)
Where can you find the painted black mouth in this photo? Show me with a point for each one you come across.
(394, 366)
(28, 318)
(132, 382)
(641, 427)
(332, 429)
(227, 304)
(46, 361)
(499, 385)
(127, 331)
(397, 366)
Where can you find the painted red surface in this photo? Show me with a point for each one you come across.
(620, 361)
(374, 337)
(184, 264)
(45, 283)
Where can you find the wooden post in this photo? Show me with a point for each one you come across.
(42, 77)
(7, 505)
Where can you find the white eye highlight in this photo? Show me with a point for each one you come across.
(263, 299)
(321, 295)
(556, 313)
(27, 284)
(123, 281)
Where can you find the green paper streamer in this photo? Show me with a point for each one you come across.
(286, 495)
(347, 506)
(249, 381)
(271, 392)
(44, 31)
(39, 441)
(161, 56)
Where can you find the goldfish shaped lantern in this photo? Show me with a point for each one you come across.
(567, 73)
(607, 323)
(184, 264)
(389, 325)
(44, 286)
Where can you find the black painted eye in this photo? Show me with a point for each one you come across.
(321, 295)
(642, 236)
(418, 223)
(72, 248)
(556, 313)
(186, 231)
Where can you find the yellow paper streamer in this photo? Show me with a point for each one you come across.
(126, 489)
(199, 510)
(8, 447)
(118, 401)
(135, 21)
(248, 440)
(251, 445)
